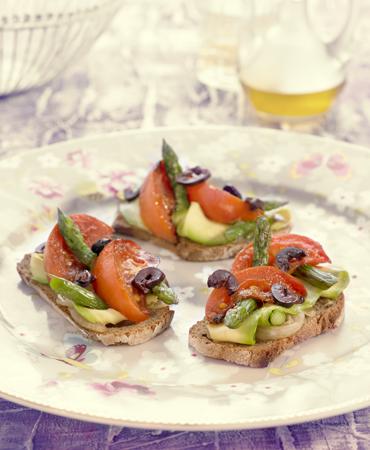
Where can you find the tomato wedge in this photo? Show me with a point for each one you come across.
(315, 254)
(219, 205)
(265, 276)
(262, 277)
(114, 270)
(157, 203)
(58, 258)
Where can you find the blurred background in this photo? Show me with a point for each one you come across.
(117, 65)
(77, 68)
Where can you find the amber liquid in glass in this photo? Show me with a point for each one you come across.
(291, 105)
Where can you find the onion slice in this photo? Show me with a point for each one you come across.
(63, 301)
(272, 333)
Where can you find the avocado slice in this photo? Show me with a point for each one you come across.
(198, 228)
(37, 268)
(102, 316)
(131, 213)
(279, 218)
(246, 332)
(221, 333)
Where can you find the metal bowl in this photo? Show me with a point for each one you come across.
(38, 39)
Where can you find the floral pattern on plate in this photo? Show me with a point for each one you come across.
(164, 382)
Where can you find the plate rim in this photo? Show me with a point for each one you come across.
(148, 130)
(314, 414)
(243, 425)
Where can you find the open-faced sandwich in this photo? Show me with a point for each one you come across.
(277, 294)
(110, 289)
(184, 212)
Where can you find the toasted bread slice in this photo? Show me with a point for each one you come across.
(184, 248)
(326, 315)
(131, 334)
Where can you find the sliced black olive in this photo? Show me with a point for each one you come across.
(40, 248)
(254, 203)
(223, 278)
(84, 278)
(98, 246)
(286, 255)
(194, 175)
(285, 297)
(131, 194)
(217, 318)
(147, 278)
(232, 190)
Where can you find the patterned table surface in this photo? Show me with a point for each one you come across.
(150, 51)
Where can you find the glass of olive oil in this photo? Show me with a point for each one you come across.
(291, 72)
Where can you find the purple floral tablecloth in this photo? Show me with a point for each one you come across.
(141, 73)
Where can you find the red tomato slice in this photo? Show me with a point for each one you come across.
(219, 205)
(114, 270)
(157, 203)
(58, 258)
(263, 277)
(315, 254)
(219, 301)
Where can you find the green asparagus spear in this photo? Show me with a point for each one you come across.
(174, 169)
(240, 229)
(262, 237)
(235, 316)
(74, 239)
(165, 293)
(76, 294)
(319, 278)
(268, 205)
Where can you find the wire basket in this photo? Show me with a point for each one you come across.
(39, 38)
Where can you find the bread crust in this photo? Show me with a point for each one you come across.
(326, 315)
(185, 248)
(133, 334)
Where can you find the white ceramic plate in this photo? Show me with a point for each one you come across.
(163, 383)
